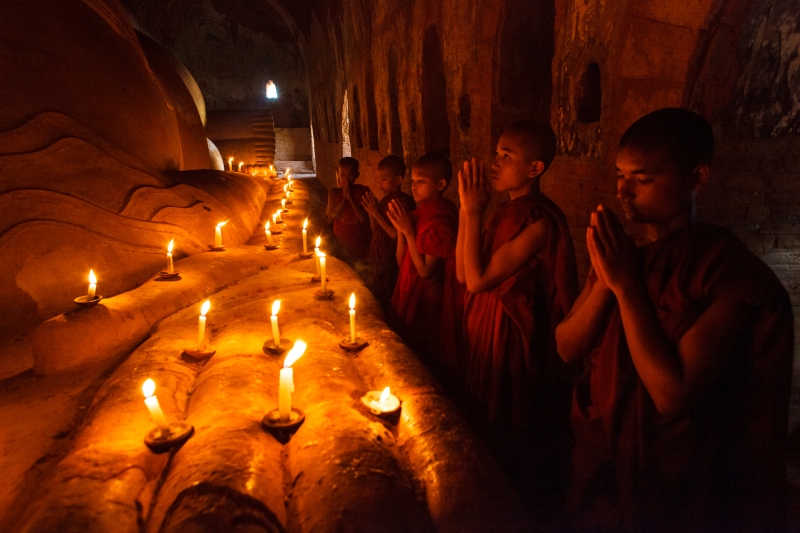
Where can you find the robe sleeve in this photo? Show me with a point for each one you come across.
(437, 236)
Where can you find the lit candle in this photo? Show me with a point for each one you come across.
(316, 253)
(148, 388)
(230, 164)
(170, 265)
(274, 218)
(322, 270)
(201, 327)
(383, 402)
(218, 235)
(240, 165)
(285, 189)
(286, 384)
(278, 217)
(92, 284)
(305, 236)
(276, 332)
(291, 184)
(353, 318)
(269, 234)
(283, 204)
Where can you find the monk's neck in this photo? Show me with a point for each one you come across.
(656, 231)
(530, 188)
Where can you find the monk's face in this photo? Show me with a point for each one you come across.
(425, 186)
(387, 182)
(651, 189)
(513, 166)
(345, 176)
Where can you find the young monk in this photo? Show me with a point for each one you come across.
(347, 214)
(681, 418)
(382, 268)
(426, 287)
(521, 281)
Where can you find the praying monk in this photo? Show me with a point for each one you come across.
(348, 216)
(521, 281)
(680, 419)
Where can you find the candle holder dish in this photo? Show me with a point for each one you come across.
(320, 295)
(389, 409)
(207, 351)
(216, 248)
(285, 210)
(269, 346)
(162, 440)
(359, 345)
(283, 429)
(289, 202)
(276, 230)
(169, 275)
(85, 301)
(270, 246)
(306, 255)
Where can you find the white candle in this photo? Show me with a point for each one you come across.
(316, 253)
(230, 164)
(170, 265)
(291, 184)
(240, 165)
(322, 270)
(201, 328)
(148, 388)
(218, 234)
(269, 234)
(286, 384)
(278, 217)
(274, 218)
(92, 284)
(353, 318)
(283, 204)
(305, 236)
(285, 190)
(276, 332)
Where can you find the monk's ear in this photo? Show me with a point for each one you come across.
(536, 169)
(700, 176)
(442, 184)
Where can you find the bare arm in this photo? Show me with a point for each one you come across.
(674, 375)
(402, 247)
(371, 206)
(334, 209)
(577, 333)
(425, 264)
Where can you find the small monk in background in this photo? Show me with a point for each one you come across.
(347, 214)
(521, 281)
(427, 295)
(681, 417)
(382, 269)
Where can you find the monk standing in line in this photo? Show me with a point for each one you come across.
(382, 268)
(521, 281)
(681, 418)
(348, 216)
(427, 290)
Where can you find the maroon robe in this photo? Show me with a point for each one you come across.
(720, 466)
(518, 388)
(382, 270)
(354, 236)
(418, 303)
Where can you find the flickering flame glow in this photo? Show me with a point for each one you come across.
(272, 91)
(353, 300)
(319, 240)
(384, 396)
(170, 246)
(205, 308)
(305, 223)
(240, 165)
(294, 354)
(92, 277)
(276, 305)
(266, 226)
(148, 388)
(219, 225)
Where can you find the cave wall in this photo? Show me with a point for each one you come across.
(422, 77)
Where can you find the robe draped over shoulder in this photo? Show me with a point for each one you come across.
(720, 466)
(354, 236)
(381, 275)
(518, 388)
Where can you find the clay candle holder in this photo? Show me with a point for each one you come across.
(203, 349)
(353, 343)
(270, 243)
(381, 403)
(286, 419)
(165, 435)
(91, 298)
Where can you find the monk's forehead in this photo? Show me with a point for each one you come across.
(424, 173)
(657, 160)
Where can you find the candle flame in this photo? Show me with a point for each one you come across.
(384, 395)
(352, 300)
(294, 354)
(205, 308)
(230, 161)
(220, 224)
(266, 226)
(92, 277)
(170, 246)
(305, 223)
(276, 305)
(285, 187)
(240, 165)
(148, 388)
(319, 241)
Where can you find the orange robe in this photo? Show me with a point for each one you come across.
(382, 270)
(518, 388)
(354, 236)
(721, 465)
(418, 303)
